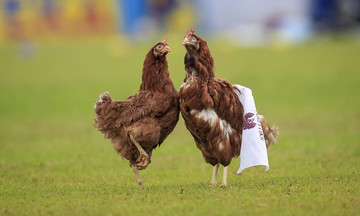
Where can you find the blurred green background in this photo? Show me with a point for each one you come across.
(54, 162)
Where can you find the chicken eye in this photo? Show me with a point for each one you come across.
(193, 40)
(159, 46)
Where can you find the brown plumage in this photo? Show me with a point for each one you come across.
(140, 123)
(211, 109)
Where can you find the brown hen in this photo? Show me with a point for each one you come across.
(211, 109)
(140, 123)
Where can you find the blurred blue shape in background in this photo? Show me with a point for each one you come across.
(133, 12)
(144, 18)
(12, 6)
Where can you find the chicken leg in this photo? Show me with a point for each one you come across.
(143, 159)
(214, 177)
(224, 176)
(137, 175)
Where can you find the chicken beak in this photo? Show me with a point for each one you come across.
(185, 41)
(166, 49)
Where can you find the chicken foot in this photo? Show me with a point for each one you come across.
(143, 159)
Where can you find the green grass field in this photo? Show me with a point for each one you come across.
(54, 162)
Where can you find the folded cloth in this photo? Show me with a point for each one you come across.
(253, 148)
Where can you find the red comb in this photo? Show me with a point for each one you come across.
(190, 32)
(164, 41)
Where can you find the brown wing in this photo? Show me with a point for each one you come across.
(135, 107)
(225, 102)
(218, 94)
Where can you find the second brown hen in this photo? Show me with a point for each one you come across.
(211, 109)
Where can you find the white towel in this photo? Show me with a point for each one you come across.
(253, 148)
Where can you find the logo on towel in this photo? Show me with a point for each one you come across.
(249, 121)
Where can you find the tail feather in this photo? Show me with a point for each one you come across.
(270, 133)
(100, 107)
(102, 102)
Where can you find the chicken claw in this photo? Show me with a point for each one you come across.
(142, 162)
